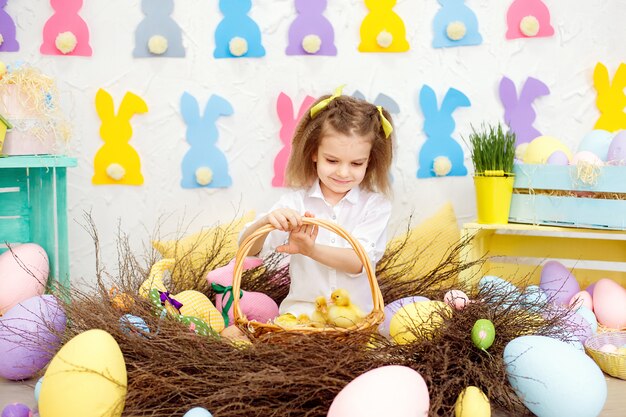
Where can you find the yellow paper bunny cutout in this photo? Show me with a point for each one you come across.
(611, 98)
(194, 303)
(382, 29)
(116, 162)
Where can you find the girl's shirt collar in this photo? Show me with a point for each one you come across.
(351, 197)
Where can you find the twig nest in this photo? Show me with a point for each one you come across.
(311, 44)
(384, 39)
(65, 42)
(529, 26)
(157, 44)
(456, 31)
(442, 166)
(238, 46)
(115, 171)
(204, 175)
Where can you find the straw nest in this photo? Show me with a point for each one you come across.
(172, 370)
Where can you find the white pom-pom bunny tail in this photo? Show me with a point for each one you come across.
(384, 39)
(115, 171)
(157, 45)
(238, 46)
(442, 166)
(311, 44)
(204, 176)
(1, 39)
(65, 42)
(529, 26)
(456, 31)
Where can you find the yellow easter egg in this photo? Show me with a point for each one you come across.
(472, 403)
(539, 150)
(198, 305)
(86, 378)
(417, 320)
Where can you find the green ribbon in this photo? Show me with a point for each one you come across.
(220, 289)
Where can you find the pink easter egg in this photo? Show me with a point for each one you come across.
(609, 303)
(392, 308)
(558, 158)
(558, 283)
(617, 149)
(586, 157)
(397, 391)
(23, 274)
(457, 299)
(582, 298)
(30, 334)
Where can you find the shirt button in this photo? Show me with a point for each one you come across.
(334, 217)
(332, 240)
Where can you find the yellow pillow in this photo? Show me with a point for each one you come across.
(429, 242)
(201, 252)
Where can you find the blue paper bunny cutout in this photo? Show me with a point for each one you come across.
(455, 11)
(158, 21)
(237, 23)
(381, 99)
(439, 126)
(202, 135)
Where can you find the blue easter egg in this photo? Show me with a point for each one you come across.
(597, 142)
(590, 317)
(129, 323)
(553, 378)
(198, 412)
(38, 389)
(505, 292)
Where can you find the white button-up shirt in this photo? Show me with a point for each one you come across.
(362, 214)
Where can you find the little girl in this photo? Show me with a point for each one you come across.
(339, 166)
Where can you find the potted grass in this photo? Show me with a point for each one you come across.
(493, 152)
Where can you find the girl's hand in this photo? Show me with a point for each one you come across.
(284, 219)
(301, 239)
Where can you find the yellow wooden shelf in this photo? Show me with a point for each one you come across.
(516, 252)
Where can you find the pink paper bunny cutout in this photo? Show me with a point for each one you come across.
(519, 114)
(522, 8)
(66, 19)
(254, 305)
(284, 107)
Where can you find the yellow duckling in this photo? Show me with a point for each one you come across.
(319, 317)
(343, 313)
(286, 320)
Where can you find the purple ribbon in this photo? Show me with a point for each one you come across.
(165, 296)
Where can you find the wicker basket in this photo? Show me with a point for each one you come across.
(612, 363)
(257, 329)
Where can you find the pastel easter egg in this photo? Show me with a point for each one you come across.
(553, 378)
(582, 298)
(586, 157)
(198, 412)
(86, 378)
(558, 158)
(609, 303)
(590, 289)
(392, 308)
(499, 290)
(540, 148)
(456, 299)
(415, 320)
(393, 390)
(23, 274)
(534, 298)
(133, 324)
(38, 389)
(598, 142)
(588, 315)
(617, 149)
(30, 333)
(483, 334)
(16, 410)
(472, 402)
(608, 348)
(558, 283)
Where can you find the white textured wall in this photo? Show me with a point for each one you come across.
(586, 32)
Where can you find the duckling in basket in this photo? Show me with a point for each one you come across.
(342, 313)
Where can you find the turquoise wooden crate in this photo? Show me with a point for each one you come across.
(555, 195)
(33, 207)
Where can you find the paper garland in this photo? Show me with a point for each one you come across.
(158, 35)
(7, 31)
(237, 35)
(382, 30)
(311, 33)
(455, 24)
(66, 33)
(518, 109)
(439, 126)
(285, 110)
(116, 162)
(204, 164)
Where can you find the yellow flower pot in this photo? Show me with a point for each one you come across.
(493, 198)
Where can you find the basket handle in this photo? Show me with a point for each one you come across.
(246, 245)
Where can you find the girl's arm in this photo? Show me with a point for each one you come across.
(342, 259)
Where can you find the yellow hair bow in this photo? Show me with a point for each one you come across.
(320, 106)
(387, 128)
